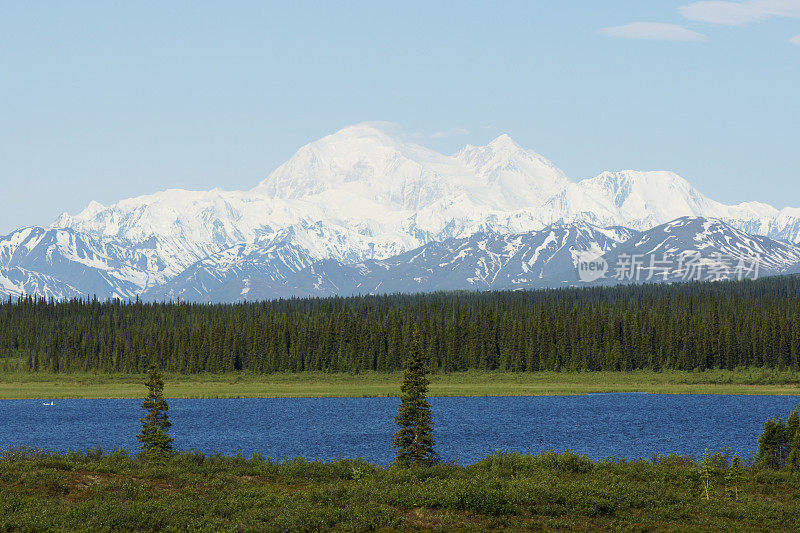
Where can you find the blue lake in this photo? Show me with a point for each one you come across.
(467, 429)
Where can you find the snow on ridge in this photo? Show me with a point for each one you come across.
(396, 195)
(363, 193)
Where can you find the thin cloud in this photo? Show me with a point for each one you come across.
(449, 133)
(740, 13)
(655, 31)
(795, 40)
(385, 126)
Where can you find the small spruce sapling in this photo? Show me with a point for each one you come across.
(735, 475)
(705, 469)
(793, 435)
(793, 460)
(155, 439)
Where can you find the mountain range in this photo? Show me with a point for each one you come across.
(362, 211)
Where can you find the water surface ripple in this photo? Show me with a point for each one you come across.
(598, 425)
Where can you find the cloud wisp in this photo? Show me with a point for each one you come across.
(719, 12)
(394, 129)
(449, 133)
(654, 31)
(739, 13)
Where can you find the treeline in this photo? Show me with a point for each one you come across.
(684, 327)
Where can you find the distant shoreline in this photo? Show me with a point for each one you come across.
(48, 386)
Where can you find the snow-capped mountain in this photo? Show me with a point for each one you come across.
(353, 197)
(269, 270)
(15, 282)
(380, 196)
(643, 200)
(694, 249)
(687, 249)
(82, 264)
(522, 177)
(488, 261)
(228, 275)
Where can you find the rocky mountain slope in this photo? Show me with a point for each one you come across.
(687, 249)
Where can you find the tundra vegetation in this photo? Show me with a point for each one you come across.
(99, 491)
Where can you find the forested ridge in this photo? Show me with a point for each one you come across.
(683, 327)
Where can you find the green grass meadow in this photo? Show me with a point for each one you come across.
(42, 385)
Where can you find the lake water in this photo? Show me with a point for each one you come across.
(598, 425)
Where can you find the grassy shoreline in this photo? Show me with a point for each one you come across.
(29, 385)
(96, 491)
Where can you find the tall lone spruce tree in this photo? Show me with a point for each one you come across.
(155, 439)
(414, 440)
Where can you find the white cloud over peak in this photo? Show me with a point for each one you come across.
(740, 13)
(656, 31)
(449, 133)
(795, 40)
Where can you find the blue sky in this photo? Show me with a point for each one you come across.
(102, 101)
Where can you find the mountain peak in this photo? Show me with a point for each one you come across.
(522, 178)
(366, 192)
(365, 165)
(375, 130)
(504, 141)
(93, 208)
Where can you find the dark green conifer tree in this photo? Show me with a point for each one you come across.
(155, 439)
(735, 475)
(792, 424)
(793, 438)
(772, 444)
(414, 440)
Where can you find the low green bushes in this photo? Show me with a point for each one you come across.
(102, 491)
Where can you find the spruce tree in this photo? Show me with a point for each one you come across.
(706, 473)
(155, 439)
(793, 437)
(792, 424)
(735, 475)
(766, 445)
(772, 444)
(414, 440)
(793, 459)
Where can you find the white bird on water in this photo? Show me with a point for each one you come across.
(51, 403)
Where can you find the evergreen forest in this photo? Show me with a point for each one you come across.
(693, 326)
